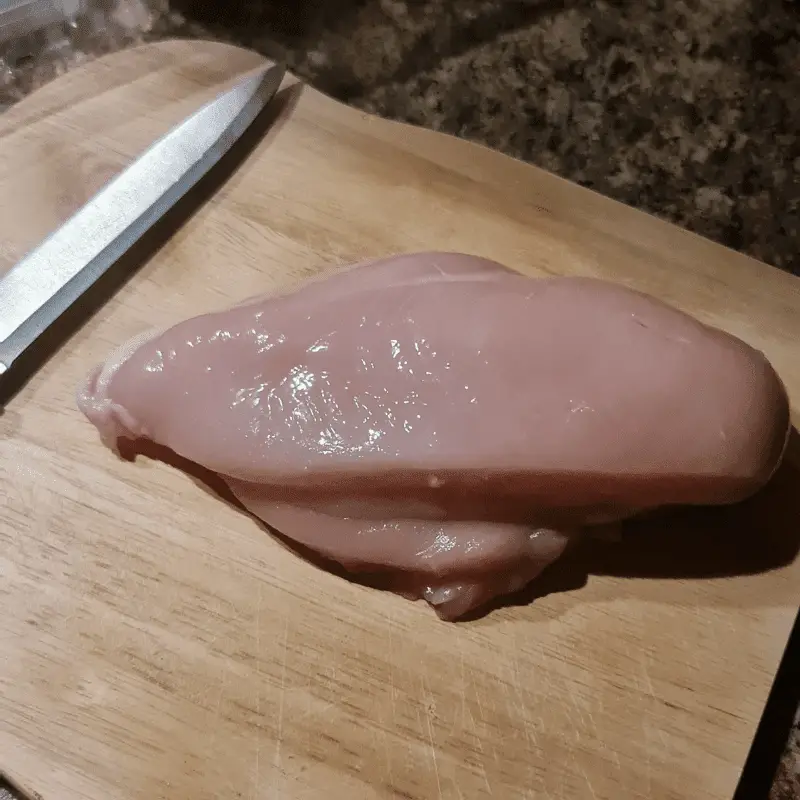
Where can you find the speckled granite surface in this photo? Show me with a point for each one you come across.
(689, 109)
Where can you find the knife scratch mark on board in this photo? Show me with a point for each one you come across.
(427, 702)
(588, 780)
(524, 712)
(482, 760)
(388, 751)
(216, 722)
(282, 691)
(386, 745)
(463, 693)
(392, 690)
(258, 693)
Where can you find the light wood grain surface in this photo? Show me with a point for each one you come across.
(155, 643)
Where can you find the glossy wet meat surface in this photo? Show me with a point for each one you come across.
(439, 415)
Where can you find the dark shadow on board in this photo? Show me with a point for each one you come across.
(755, 536)
(775, 726)
(16, 790)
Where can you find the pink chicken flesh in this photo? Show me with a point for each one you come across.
(446, 419)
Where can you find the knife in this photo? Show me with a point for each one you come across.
(47, 281)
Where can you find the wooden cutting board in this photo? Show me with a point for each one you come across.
(156, 643)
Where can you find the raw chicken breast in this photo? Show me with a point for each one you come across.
(455, 565)
(442, 417)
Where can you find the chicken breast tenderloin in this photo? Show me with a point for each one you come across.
(441, 417)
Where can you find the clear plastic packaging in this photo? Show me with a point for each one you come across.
(40, 39)
(21, 18)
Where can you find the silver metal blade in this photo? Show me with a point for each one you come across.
(46, 282)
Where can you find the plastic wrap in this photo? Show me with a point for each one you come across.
(40, 39)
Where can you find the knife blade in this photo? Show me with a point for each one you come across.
(50, 278)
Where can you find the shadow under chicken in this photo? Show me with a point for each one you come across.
(756, 535)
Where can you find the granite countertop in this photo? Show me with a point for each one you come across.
(688, 109)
